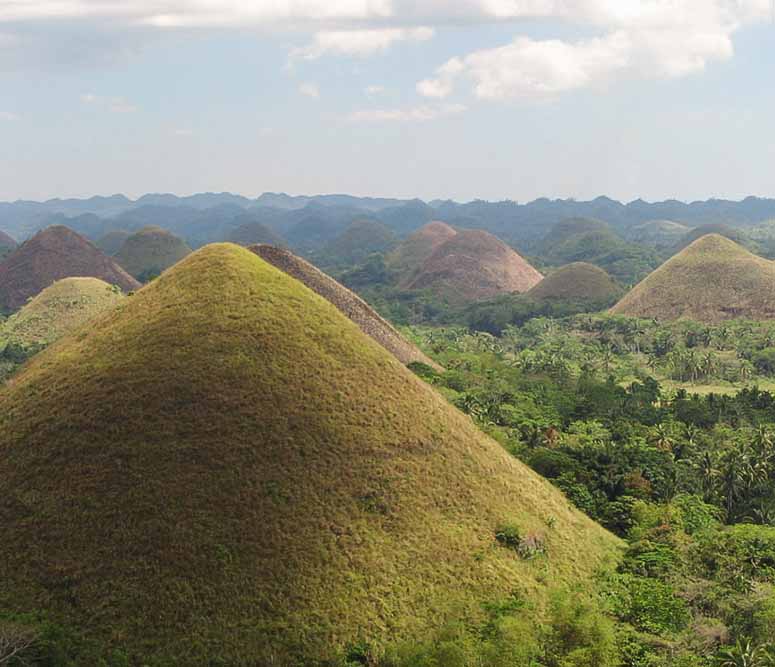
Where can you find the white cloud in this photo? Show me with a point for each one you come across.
(359, 43)
(421, 113)
(310, 90)
(8, 116)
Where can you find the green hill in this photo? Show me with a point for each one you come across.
(473, 265)
(56, 311)
(252, 232)
(111, 243)
(7, 244)
(227, 471)
(735, 235)
(578, 281)
(145, 254)
(714, 279)
(660, 234)
(592, 241)
(361, 239)
(411, 253)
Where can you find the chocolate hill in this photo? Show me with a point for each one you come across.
(52, 254)
(349, 303)
(226, 470)
(578, 281)
(148, 252)
(473, 265)
(712, 280)
(412, 252)
(252, 232)
(57, 310)
(111, 242)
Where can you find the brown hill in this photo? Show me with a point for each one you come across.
(412, 252)
(349, 303)
(7, 244)
(226, 471)
(52, 254)
(473, 265)
(578, 281)
(714, 279)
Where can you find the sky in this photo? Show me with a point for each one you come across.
(458, 99)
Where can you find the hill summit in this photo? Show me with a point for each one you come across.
(226, 470)
(349, 303)
(52, 254)
(148, 252)
(712, 280)
(578, 281)
(473, 265)
(58, 310)
(410, 254)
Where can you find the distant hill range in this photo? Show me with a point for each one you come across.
(52, 254)
(712, 280)
(208, 217)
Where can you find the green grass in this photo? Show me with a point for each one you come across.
(224, 468)
(712, 280)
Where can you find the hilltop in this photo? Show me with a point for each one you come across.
(355, 308)
(148, 252)
(111, 242)
(52, 254)
(56, 311)
(7, 244)
(226, 470)
(578, 281)
(361, 239)
(714, 279)
(473, 265)
(412, 252)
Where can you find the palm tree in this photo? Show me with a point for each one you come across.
(747, 655)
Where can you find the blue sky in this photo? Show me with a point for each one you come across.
(457, 99)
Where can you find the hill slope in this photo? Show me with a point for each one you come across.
(7, 244)
(227, 471)
(714, 279)
(349, 303)
(251, 232)
(111, 242)
(473, 265)
(658, 233)
(52, 254)
(58, 310)
(412, 252)
(145, 254)
(578, 281)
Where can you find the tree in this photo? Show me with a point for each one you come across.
(16, 640)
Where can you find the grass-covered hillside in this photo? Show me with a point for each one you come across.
(713, 279)
(578, 281)
(473, 265)
(251, 232)
(659, 234)
(56, 311)
(52, 254)
(148, 252)
(349, 303)
(227, 471)
(111, 242)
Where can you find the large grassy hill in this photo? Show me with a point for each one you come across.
(473, 265)
(714, 279)
(52, 254)
(578, 281)
(148, 252)
(56, 311)
(226, 471)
